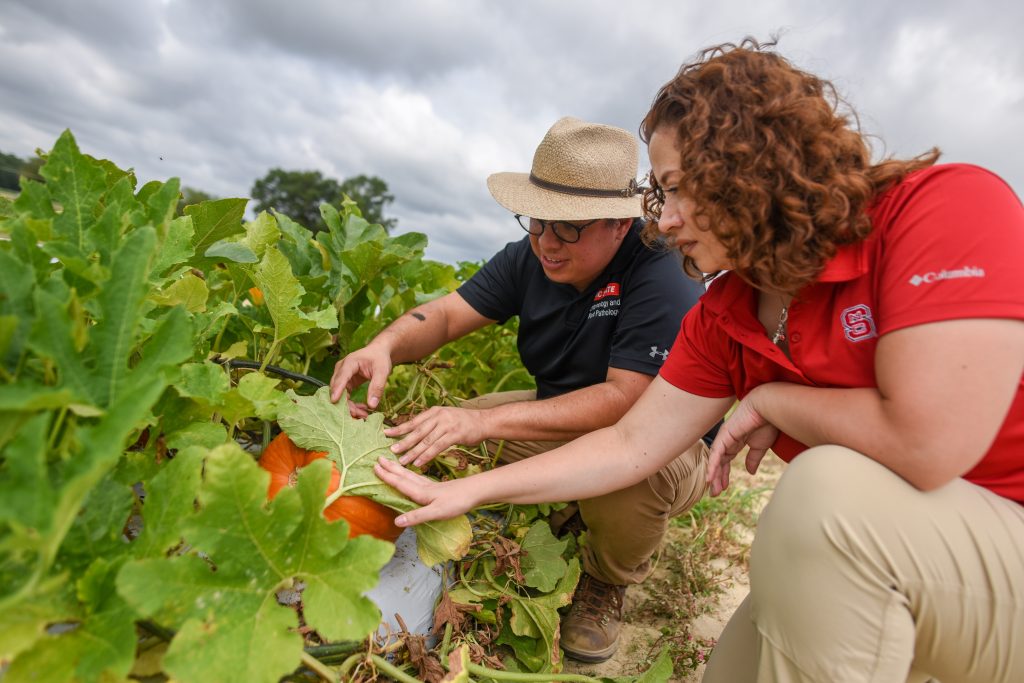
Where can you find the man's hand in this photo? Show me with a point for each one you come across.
(434, 430)
(745, 427)
(371, 363)
(440, 499)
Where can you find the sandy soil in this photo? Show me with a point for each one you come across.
(639, 634)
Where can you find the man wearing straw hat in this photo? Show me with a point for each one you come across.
(598, 311)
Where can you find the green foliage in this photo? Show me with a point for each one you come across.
(113, 418)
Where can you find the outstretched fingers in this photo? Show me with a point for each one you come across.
(413, 486)
(440, 500)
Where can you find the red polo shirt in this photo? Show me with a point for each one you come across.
(947, 243)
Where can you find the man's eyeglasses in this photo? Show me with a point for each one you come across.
(563, 230)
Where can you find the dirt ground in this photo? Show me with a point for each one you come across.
(640, 632)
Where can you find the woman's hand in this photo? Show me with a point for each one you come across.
(440, 499)
(434, 430)
(744, 428)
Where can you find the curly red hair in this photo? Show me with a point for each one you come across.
(782, 173)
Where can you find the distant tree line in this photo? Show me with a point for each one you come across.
(299, 194)
(13, 167)
(296, 194)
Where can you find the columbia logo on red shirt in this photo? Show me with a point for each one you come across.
(929, 278)
(612, 289)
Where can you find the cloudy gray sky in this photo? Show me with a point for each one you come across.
(435, 95)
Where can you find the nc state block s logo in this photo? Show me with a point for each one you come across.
(858, 323)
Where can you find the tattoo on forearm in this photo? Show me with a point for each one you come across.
(418, 316)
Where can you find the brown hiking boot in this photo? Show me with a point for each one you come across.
(590, 631)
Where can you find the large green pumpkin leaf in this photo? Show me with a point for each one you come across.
(158, 202)
(189, 291)
(98, 529)
(116, 333)
(537, 617)
(76, 182)
(176, 247)
(298, 245)
(207, 381)
(26, 495)
(170, 497)
(542, 562)
(314, 423)
(102, 637)
(100, 645)
(215, 220)
(261, 234)
(23, 625)
(228, 250)
(228, 622)
(283, 296)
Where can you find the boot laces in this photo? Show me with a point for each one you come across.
(598, 601)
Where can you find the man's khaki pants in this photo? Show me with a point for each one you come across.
(625, 527)
(855, 575)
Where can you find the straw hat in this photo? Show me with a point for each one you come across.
(581, 171)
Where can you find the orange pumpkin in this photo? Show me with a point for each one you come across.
(257, 296)
(283, 459)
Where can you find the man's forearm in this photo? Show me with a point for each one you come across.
(415, 334)
(560, 418)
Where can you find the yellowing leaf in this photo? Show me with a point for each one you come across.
(190, 291)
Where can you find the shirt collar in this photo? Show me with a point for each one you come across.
(849, 263)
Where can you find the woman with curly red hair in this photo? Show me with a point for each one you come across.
(870, 318)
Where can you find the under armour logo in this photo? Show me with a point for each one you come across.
(655, 352)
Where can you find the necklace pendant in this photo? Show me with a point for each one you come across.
(780, 331)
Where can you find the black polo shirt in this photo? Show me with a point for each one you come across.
(627, 318)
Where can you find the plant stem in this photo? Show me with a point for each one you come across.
(334, 649)
(508, 375)
(266, 436)
(216, 342)
(392, 670)
(467, 584)
(348, 664)
(446, 643)
(57, 424)
(270, 354)
(409, 394)
(320, 669)
(483, 671)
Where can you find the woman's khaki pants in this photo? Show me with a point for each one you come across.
(855, 575)
(625, 528)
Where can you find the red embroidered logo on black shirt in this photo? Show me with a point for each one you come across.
(611, 289)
